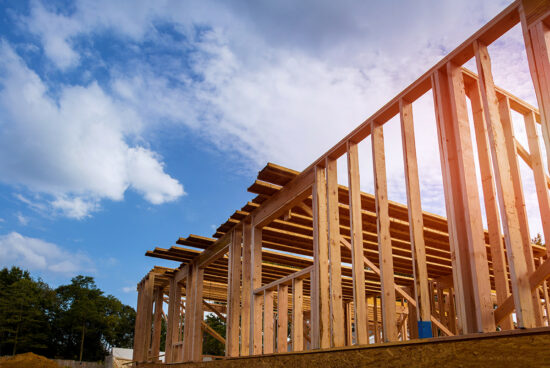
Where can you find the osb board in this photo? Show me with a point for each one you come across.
(512, 349)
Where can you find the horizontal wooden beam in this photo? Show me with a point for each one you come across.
(287, 280)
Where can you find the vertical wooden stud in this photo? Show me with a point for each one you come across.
(416, 221)
(268, 321)
(537, 47)
(498, 256)
(335, 264)
(474, 225)
(515, 243)
(357, 254)
(233, 294)
(389, 322)
(246, 292)
(257, 299)
(539, 175)
(157, 321)
(321, 328)
(282, 318)
(456, 213)
(297, 314)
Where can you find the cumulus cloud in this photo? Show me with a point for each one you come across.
(73, 149)
(38, 255)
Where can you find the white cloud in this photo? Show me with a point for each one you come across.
(73, 149)
(22, 219)
(38, 255)
(129, 289)
(55, 31)
(284, 81)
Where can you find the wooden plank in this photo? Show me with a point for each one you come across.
(356, 247)
(491, 206)
(454, 205)
(389, 322)
(292, 194)
(321, 303)
(413, 326)
(212, 332)
(214, 310)
(348, 328)
(303, 273)
(376, 320)
(197, 315)
(233, 294)
(257, 300)
(541, 274)
(157, 321)
(297, 314)
(511, 149)
(526, 157)
(398, 289)
(416, 222)
(474, 226)
(172, 329)
(539, 176)
(169, 322)
(185, 354)
(246, 292)
(537, 49)
(519, 273)
(335, 264)
(268, 321)
(138, 333)
(282, 319)
(148, 309)
(215, 251)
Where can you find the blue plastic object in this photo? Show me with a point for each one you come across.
(424, 329)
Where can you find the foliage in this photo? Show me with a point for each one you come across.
(537, 240)
(73, 321)
(25, 312)
(210, 345)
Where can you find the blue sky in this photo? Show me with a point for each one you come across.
(126, 124)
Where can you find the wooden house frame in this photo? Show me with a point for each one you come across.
(342, 267)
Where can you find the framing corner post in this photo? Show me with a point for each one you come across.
(320, 300)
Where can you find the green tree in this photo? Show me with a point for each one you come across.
(210, 345)
(119, 323)
(81, 319)
(25, 313)
(73, 321)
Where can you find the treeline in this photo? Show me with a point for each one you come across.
(74, 321)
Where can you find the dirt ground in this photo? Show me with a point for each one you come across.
(27, 360)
